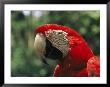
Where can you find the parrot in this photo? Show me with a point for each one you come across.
(65, 44)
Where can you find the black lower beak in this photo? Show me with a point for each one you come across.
(48, 67)
(44, 61)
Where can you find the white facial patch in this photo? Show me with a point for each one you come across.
(58, 40)
(40, 45)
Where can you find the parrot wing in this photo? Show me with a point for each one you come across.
(93, 66)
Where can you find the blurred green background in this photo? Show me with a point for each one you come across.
(24, 61)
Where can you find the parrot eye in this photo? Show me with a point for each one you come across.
(59, 33)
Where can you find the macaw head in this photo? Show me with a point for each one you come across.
(54, 41)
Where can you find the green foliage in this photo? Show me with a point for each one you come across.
(24, 61)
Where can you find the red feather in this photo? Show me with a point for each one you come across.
(93, 66)
(46, 27)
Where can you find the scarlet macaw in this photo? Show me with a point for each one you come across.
(75, 57)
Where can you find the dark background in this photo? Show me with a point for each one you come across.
(24, 61)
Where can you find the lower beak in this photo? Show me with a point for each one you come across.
(48, 66)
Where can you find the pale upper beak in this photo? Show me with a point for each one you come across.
(40, 45)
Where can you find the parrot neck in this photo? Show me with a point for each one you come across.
(74, 64)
